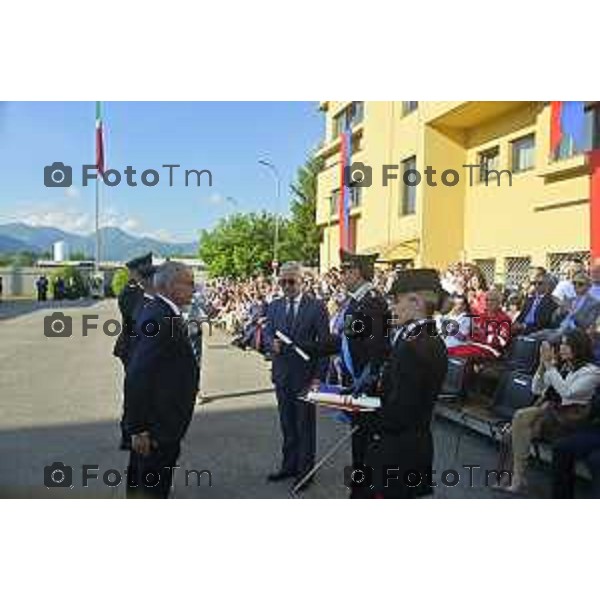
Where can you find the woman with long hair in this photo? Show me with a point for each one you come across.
(565, 385)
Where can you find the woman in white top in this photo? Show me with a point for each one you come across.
(455, 326)
(565, 387)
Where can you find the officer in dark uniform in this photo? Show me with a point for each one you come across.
(364, 344)
(400, 446)
(132, 299)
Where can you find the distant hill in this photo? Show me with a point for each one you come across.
(116, 244)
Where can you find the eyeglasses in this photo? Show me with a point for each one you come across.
(288, 281)
(580, 283)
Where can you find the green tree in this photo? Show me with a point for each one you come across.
(303, 237)
(119, 281)
(79, 255)
(76, 284)
(241, 245)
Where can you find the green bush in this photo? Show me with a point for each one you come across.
(75, 283)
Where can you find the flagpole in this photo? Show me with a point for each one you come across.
(97, 265)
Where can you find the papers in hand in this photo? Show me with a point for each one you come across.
(288, 342)
(335, 396)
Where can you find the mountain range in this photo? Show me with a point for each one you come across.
(117, 245)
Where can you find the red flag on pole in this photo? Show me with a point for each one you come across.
(555, 127)
(594, 162)
(99, 140)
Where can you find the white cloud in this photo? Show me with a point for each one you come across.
(72, 192)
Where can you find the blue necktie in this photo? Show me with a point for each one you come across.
(289, 316)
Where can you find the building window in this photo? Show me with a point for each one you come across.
(409, 106)
(349, 117)
(523, 153)
(355, 199)
(566, 148)
(409, 192)
(489, 160)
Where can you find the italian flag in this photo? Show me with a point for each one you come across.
(99, 140)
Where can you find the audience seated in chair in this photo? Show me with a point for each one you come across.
(489, 332)
(565, 387)
(539, 307)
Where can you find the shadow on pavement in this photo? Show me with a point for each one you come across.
(9, 309)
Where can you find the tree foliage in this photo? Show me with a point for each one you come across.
(242, 244)
(119, 281)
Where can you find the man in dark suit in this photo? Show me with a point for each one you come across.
(539, 307)
(161, 384)
(133, 297)
(400, 449)
(304, 320)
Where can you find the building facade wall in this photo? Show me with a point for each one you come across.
(545, 211)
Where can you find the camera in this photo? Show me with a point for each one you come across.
(358, 175)
(358, 326)
(58, 175)
(359, 476)
(58, 475)
(58, 325)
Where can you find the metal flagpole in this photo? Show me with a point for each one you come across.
(97, 261)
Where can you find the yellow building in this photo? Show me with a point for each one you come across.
(534, 213)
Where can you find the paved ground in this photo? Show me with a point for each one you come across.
(60, 401)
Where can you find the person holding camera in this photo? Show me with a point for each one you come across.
(400, 444)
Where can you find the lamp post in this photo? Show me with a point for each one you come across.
(273, 170)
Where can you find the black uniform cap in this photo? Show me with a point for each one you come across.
(142, 264)
(363, 262)
(416, 280)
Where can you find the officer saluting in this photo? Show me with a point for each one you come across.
(400, 448)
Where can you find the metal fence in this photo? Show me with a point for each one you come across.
(487, 266)
(517, 269)
(556, 261)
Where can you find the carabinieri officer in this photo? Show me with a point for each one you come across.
(400, 446)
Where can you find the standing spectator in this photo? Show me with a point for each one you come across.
(42, 288)
(161, 384)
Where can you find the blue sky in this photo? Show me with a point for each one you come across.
(226, 137)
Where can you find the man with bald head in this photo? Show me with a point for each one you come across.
(303, 319)
(161, 384)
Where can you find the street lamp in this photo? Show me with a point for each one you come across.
(273, 170)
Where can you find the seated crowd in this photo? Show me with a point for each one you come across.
(480, 324)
